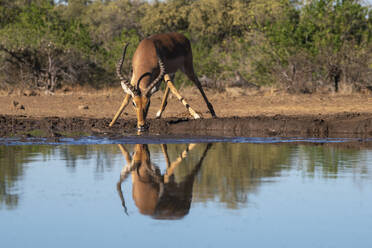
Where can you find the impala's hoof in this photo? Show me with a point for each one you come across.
(158, 115)
(142, 128)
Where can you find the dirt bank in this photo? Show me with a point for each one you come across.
(340, 125)
(241, 113)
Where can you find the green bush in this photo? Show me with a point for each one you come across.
(323, 42)
(298, 45)
(45, 48)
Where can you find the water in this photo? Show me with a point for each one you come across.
(186, 195)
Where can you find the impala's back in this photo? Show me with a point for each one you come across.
(173, 49)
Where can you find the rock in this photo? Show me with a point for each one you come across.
(66, 89)
(17, 106)
(240, 81)
(29, 93)
(81, 107)
(206, 82)
(235, 91)
(49, 93)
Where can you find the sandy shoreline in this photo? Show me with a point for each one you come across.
(241, 113)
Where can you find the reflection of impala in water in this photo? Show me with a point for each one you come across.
(155, 194)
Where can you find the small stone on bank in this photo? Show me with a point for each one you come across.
(81, 107)
(29, 93)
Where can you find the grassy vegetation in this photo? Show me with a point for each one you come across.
(74, 134)
(297, 45)
(36, 133)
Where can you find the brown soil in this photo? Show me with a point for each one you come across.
(240, 112)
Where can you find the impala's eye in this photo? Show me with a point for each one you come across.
(134, 104)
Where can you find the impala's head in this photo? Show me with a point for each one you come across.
(158, 195)
(140, 90)
(152, 195)
(142, 104)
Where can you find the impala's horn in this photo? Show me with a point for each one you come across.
(127, 87)
(159, 78)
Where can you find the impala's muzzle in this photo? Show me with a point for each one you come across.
(142, 104)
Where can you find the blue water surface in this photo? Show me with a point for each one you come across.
(257, 194)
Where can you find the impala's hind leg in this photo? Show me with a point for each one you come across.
(177, 94)
(188, 69)
(165, 99)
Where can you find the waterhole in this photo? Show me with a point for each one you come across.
(186, 193)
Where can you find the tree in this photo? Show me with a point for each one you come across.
(41, 49)
(161, 17)
(320, 41)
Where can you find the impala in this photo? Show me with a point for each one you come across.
(159, 195)
(156, 58)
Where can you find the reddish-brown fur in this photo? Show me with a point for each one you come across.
(173, 50)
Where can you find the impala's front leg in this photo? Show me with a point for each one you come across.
(124, 174)
(163, 103)
(165, 99)
(164, 149)
(177, 94)
(122, 107)
(171, 166)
